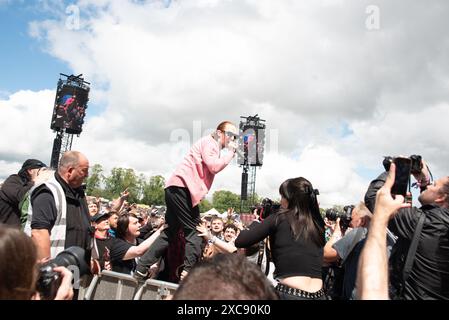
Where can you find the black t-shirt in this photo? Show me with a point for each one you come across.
(44, 210)
(104, 250)
(429, 276)
(118, 250)
(291, 257)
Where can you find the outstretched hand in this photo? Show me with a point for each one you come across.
(125, 194)
(204, 231)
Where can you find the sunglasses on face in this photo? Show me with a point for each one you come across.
(231, 135)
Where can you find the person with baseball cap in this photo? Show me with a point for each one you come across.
(102, 241)
(15, 188)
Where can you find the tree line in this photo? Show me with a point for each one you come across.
(150, 190)
(147, 190)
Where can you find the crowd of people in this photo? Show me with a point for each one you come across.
(390, 250)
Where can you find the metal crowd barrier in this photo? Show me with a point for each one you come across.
(110, 285)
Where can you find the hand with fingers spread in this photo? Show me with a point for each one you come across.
(125, 194)
(204, 231)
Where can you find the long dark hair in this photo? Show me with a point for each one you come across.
(303, 213)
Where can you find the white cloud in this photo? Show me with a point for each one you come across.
(25, 123)
(327, 170)
(338, 96)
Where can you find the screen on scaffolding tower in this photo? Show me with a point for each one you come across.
(70, 109)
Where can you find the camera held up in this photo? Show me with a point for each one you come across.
(49, 280)
(345, 216)
(416, 166)
(266, 208)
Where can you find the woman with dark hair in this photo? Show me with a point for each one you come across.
(296, 234)
(126, 247)
(18, 268)
(14, 190)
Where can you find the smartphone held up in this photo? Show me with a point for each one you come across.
(402, 177)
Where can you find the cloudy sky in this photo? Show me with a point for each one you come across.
(339, 83)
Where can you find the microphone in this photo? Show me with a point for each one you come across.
(239, 153)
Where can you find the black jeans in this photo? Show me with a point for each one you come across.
(179, 214)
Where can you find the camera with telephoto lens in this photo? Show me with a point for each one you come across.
(345, 216)
(266, 208)
(416, 166)
(49, 280)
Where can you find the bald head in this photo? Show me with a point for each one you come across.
(73, 168)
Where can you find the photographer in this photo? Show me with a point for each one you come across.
(344, 249)
(17, 252)
(296, 239)
(429, 273)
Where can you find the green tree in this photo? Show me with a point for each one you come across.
(153, 191)
(95, 181)
(121, 179)
(205, 205)
(222, 200)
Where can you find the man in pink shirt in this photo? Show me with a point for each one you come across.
(184, 190)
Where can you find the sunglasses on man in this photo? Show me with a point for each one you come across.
(231, 135)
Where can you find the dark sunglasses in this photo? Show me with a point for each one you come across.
(231, 135)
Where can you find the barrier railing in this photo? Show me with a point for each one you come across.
(110, 285)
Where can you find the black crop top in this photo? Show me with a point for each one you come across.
(291, 257)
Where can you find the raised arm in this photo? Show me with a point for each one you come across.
(221, 245)
(372, 277)
(137, 251)
(257, 232)
(118, 203)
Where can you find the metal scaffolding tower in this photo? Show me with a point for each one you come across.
(250, 156)
(78, 89)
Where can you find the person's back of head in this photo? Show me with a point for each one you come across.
(303, 212)
(361, 216)
(29, 165)
(225, 277)
(17, 265)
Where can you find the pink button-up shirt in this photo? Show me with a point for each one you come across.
(198, 169)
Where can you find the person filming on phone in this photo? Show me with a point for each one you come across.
(429, 274)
